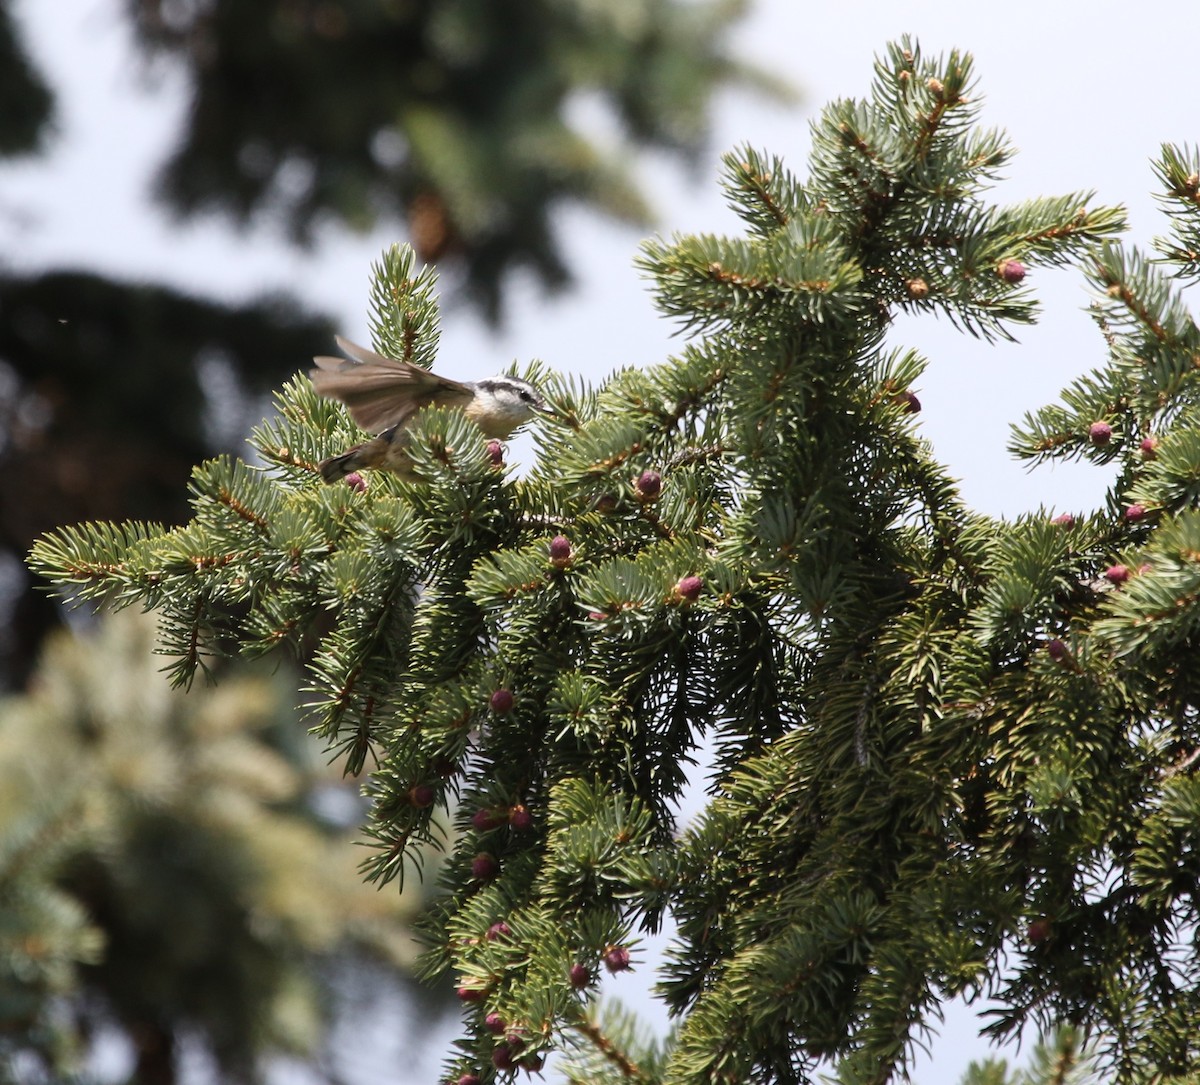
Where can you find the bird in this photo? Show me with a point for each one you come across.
(384, 394)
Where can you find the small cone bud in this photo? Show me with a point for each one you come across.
(498, 930)
(1149, 447)
(1064, 519)
(1117, 574)
(502, 1057)
(560, 551)
(520, 818)
(1057, 650)
(469, 1079)
(495, 453)
(579, 976)
(484, 819)
(1134, 513)
(1038, 931)
(470, 994)
(1100, 433)
(356, 482)
(484, 867)
(501, 701)
(494, 1023)
(1011, 271)
(422, 795)
(532, 1064)
(648, 485)
(616, 959)
(689, 588)
(908, 400)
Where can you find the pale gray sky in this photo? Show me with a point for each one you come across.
(1087, 91)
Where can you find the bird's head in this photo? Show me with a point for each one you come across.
(501, 404)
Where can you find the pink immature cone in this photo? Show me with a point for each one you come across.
(422, 795)
(1038, 930)
(648, 485)
(560, 551)
(1011, 271)
(579, 976)
(1056, 650)
(484, 867)
(616, 958)
(485, 819)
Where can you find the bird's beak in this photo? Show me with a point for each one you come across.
(548, 411)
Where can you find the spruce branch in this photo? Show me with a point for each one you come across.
(763, 191)
(1178, 170)
(591, 1031)
(404, 312)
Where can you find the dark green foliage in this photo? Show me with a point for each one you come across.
(107, 407)
(120, 364)
(915, 797)
(455, 115)
(26, 103)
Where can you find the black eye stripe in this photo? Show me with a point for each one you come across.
(508, 387)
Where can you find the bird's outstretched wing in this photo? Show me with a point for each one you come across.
(382, 392)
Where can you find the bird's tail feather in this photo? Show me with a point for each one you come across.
(338, 467)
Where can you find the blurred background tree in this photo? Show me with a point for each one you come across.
(1060, 1058)
(457, 119)
(174, 870)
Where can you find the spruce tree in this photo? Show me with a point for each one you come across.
(955, 755)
